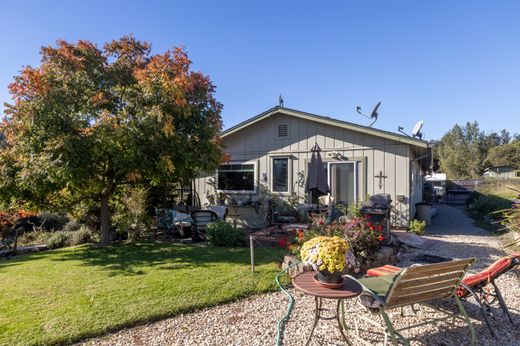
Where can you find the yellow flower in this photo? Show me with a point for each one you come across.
(325, 253)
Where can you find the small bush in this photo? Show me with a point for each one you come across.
(72, 226)
(223, 234)
(81, 236)
(131, 216)
(487, 205)
(34, 238)
(58, 239)
(417, 227)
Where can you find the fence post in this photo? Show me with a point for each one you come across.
(252, 250)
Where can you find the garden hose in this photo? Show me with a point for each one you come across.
(280, 326)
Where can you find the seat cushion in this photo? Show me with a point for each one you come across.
(384, 270)
(377, 285)
(482, 278)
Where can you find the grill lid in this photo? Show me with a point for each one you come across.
(379, 201)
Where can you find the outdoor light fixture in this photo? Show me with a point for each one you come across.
(264, 177)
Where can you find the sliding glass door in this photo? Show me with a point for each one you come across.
(343, 181)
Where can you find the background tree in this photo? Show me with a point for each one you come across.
(88, 120)
(465, 152)
(504, 155)
(461, 151)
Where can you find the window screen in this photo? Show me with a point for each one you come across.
(281, 175)
(236, 177)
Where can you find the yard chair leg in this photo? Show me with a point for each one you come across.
(485, 316)
(389, 327)
(462, 311)
(502, 302)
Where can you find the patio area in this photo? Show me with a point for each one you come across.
(253, 321)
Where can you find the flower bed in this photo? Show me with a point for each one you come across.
(362, 235)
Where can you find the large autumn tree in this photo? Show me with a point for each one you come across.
(89, 119)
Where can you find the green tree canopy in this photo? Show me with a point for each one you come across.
(465, 151)
(89, 119)
(461, 151)
(504, 155)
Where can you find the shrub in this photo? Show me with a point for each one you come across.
(82, 236)
(72, 226)
(488, 205)
(511, 216)
(131, 212)
(223, 234)
(58, 239)
(364, 237)
(417, 227)
(354, 209)
(34, 238)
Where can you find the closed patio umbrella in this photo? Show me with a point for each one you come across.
(316, 182)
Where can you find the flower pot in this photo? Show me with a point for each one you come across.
(329, 278)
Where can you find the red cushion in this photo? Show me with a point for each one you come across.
(384, 270)
(498, 267)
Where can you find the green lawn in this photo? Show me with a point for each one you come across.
(61, 296)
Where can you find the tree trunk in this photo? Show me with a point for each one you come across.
(105, 219)
(106, 223)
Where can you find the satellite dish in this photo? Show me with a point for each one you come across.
(416, 132)
(373, 115)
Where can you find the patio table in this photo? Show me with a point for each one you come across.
(306, 284)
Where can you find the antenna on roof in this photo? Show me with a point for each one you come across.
(372, 116)
(416, 132)
(400, 129)
(280, 101)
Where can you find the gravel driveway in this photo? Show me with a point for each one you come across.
(253, 321)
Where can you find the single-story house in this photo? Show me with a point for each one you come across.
(269, 154)
(503, 172)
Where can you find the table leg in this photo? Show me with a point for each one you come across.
(316, 318)
(341, 319)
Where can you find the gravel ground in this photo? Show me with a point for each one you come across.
(253, 321)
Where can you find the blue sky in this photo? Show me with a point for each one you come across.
(443, 62)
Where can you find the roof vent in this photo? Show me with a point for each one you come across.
(283, 130)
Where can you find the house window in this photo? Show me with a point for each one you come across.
(281, 174)
(283, 130)
(237, 177)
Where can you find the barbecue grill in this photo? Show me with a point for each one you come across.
(378, 208)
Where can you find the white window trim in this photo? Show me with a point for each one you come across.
(289, 174)
(255, 175)
(356, 175)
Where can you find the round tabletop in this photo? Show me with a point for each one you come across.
(305, 283)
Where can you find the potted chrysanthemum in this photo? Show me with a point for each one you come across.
(326, 255)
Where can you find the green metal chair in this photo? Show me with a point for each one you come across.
(414, 285)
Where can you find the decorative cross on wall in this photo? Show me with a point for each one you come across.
(381, 177)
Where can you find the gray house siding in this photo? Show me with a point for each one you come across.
(259, 142)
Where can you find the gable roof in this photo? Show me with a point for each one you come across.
(328, 121)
